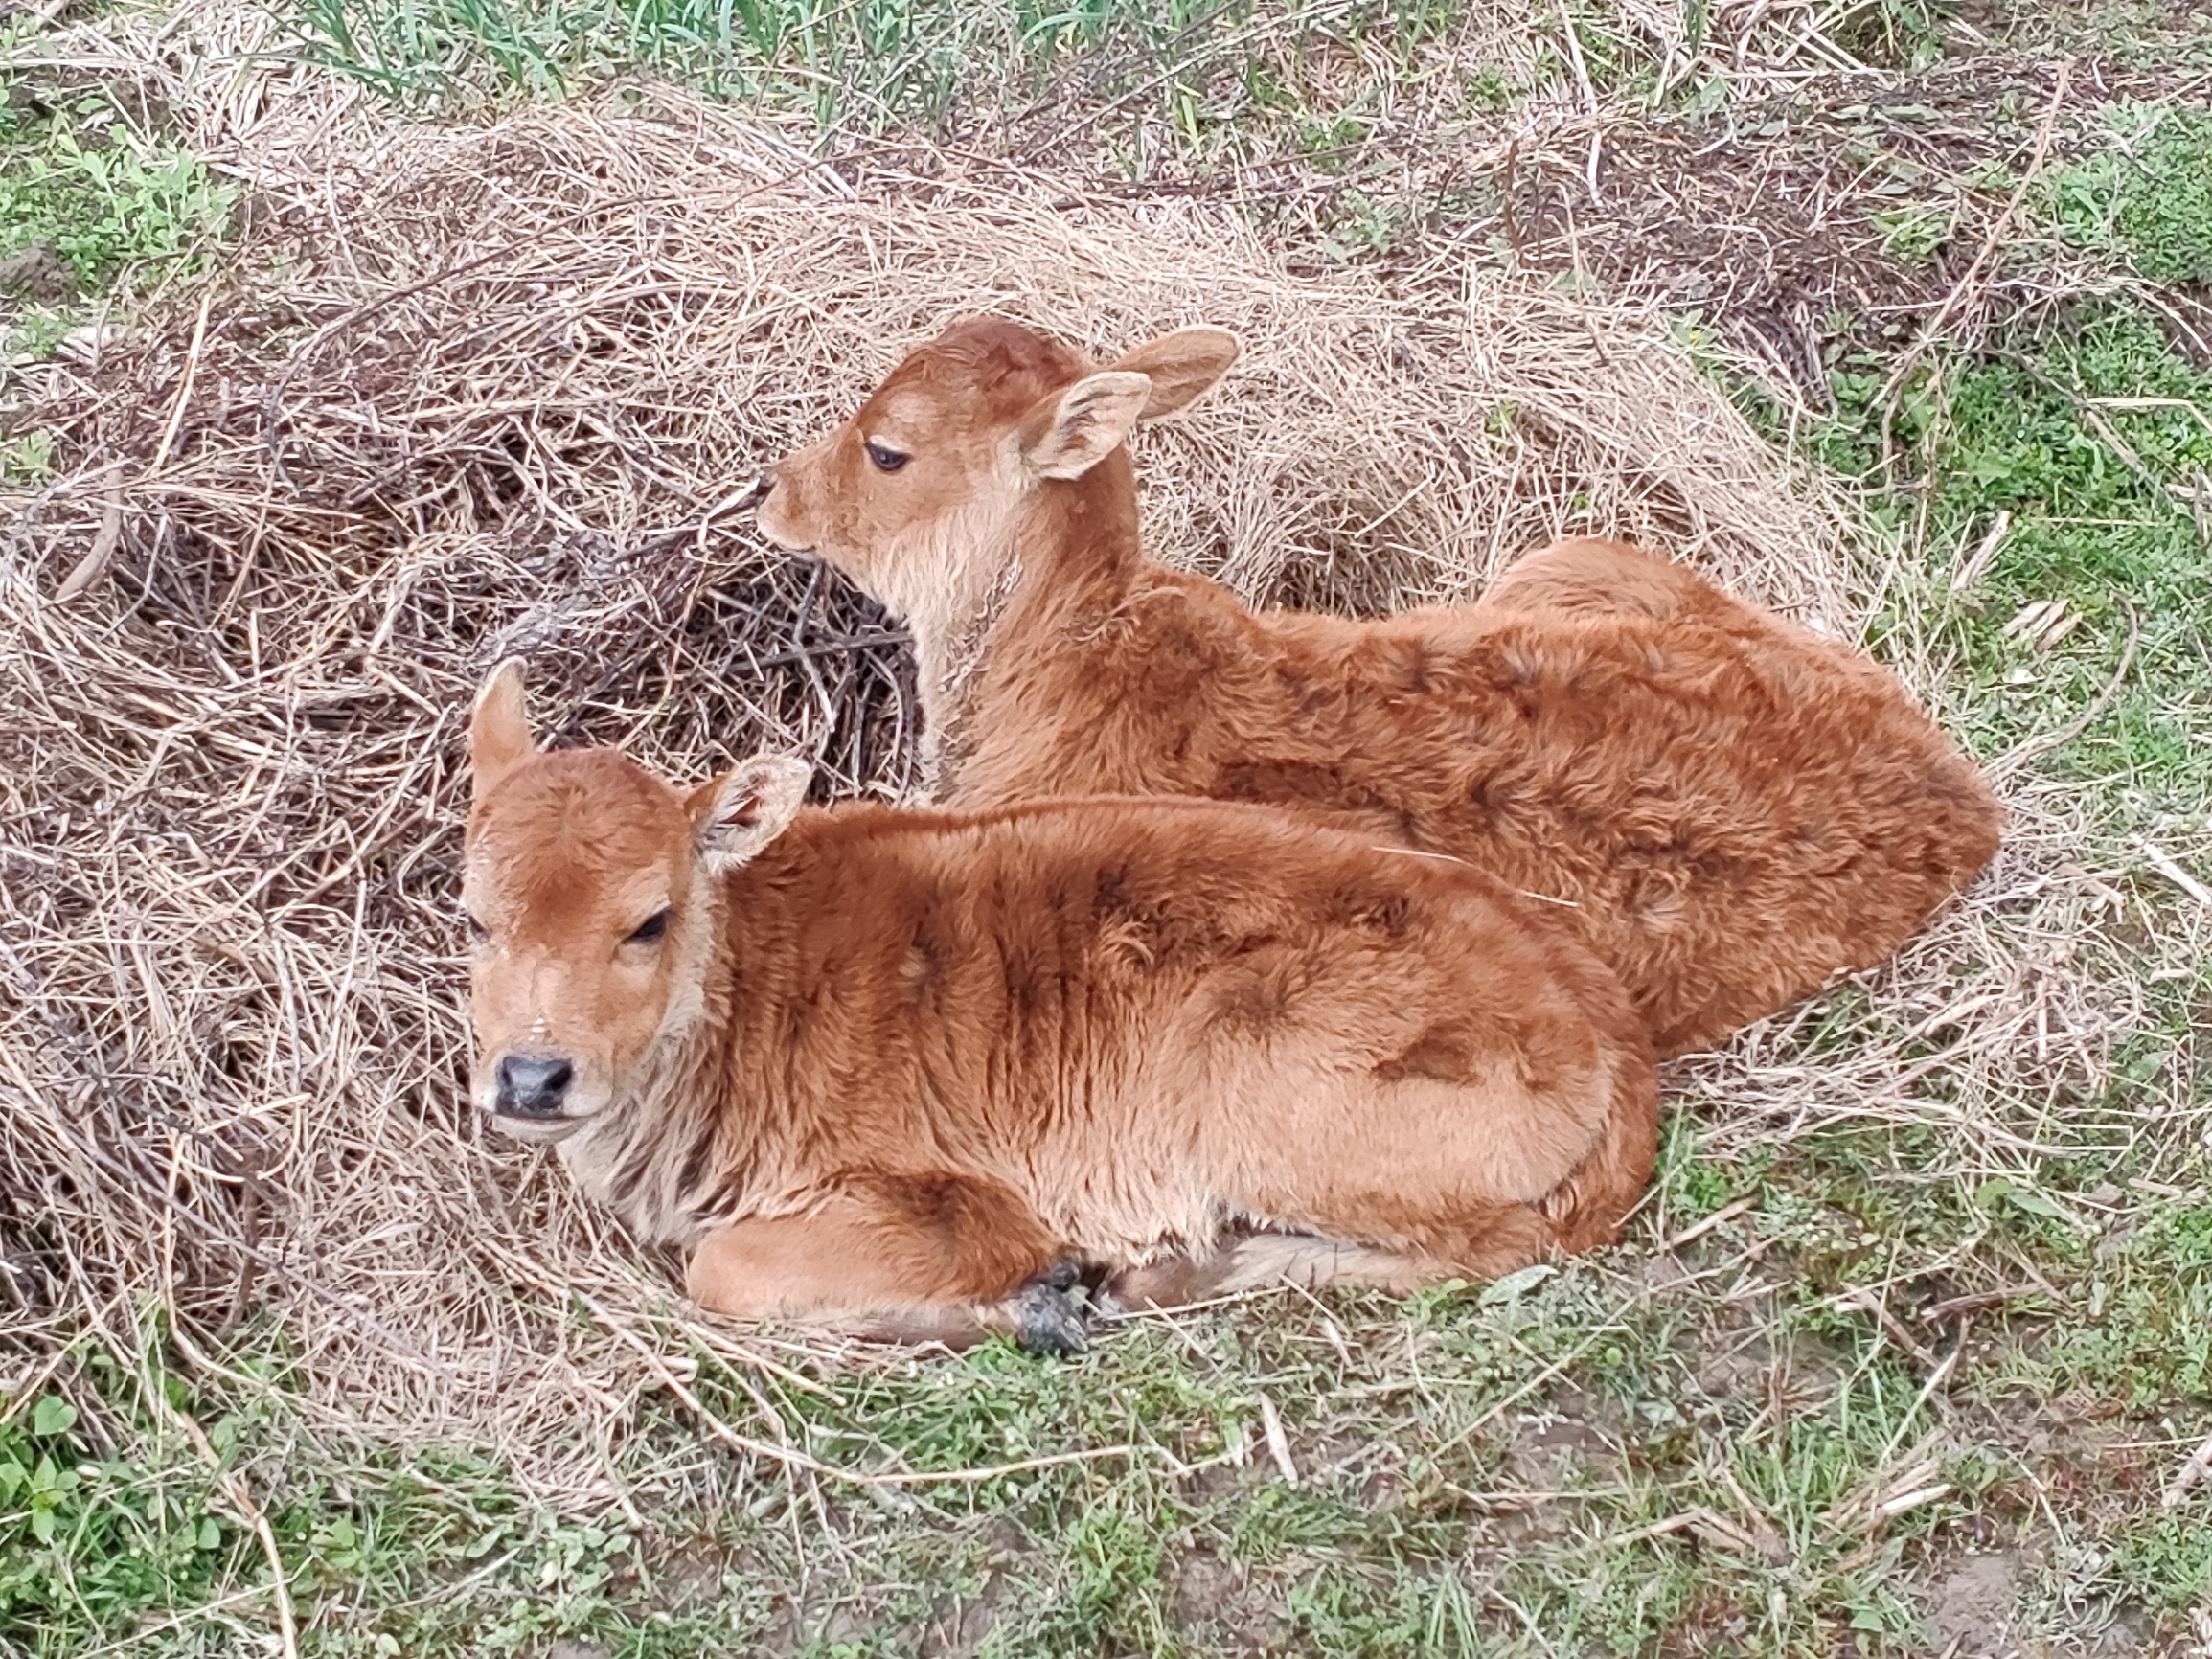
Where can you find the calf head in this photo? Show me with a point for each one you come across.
(592, 894)
(914, 498)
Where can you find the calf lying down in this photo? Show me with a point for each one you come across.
(894, 1071)
(1730, 811)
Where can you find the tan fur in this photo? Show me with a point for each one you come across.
(884, 1067)
(1729, 809)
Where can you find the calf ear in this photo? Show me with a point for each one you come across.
(498, 730)
(1181, 366)
(1070, 432)
(738, 814)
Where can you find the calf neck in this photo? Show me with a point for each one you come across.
(1730, 811)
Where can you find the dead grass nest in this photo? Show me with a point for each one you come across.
(467, 392)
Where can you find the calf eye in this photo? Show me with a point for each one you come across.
(477, 931)
(887, 460)
(651, 929)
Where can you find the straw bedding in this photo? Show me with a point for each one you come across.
(462, 392)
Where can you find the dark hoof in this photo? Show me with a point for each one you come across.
(1061, 1276)
(1048, 1318)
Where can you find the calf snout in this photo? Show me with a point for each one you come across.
(532, 1085)
(759, 492)
(778, 512)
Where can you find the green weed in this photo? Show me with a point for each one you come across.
(2145, 1334)
(88, 1542)
(112, 202)
(1914, 234)
(2170, 1560)
(1692, 1187)
(2146, 198)
(27, 457)
(1894, 34)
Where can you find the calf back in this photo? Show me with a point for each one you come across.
(1727, 815)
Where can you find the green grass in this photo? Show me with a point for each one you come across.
(2148, 198)
(1204, 78)
(103, 209)
(2096, 437)
(87, 1539)
(112, 200)
(1204, 68)
(2094, 432)
(2149, 1342)
(2091, 437)
(108, 209)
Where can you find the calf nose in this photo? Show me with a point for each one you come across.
(759, 492)
(533, 1085)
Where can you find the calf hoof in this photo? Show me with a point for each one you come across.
(1048, 1318)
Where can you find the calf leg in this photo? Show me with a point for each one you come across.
(896, 1259)
(1423, 1181)
(1259, 1260)
(1478, 1234)
(1502, 1238)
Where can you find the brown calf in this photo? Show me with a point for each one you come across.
(1730, 809)
(888, 1068)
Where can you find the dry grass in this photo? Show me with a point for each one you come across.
(465, 392)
